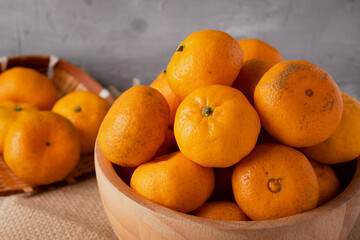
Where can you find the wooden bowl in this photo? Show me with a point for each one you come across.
(134, 217)
(66, 78)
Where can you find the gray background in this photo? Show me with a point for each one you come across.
(116, 40)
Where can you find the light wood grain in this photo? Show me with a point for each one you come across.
(134, 217)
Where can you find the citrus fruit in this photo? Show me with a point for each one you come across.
(216, 126)
(26, 85)
(344, 144)
(41, 147)
(174, 182)
(85, 110)
(249, 76)
(221, 210)
(204, 58)
(161, 84)
(258, 49)
(9, 111)
(329, 184)
(298, 103)
(275, 181)
(134, 127)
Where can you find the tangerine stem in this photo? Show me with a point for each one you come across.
(207, 111)
(18, 108)
(180, 48)
(78, 109)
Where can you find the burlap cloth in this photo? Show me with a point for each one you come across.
(71, 212)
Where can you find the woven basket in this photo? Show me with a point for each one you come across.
(67, 78)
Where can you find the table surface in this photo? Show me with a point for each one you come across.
(63, 207)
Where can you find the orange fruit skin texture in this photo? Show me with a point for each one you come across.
(169, 145)
(42, 147)
(174, 181)
(85, 110)
(250, 75)
(258, 49)
(26, 85)
(161, 84)
(344, 144)
(223, 189)
(9, 112)
(134, 127)
(221, 210)
(329, 184)
(208, 57)
(275, 181)
(224, 137)
(298, 103)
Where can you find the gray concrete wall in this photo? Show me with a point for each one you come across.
(116, 40)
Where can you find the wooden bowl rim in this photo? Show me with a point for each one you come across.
(104, 166)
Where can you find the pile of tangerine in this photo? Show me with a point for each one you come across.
(41, 136)
(252, 134)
